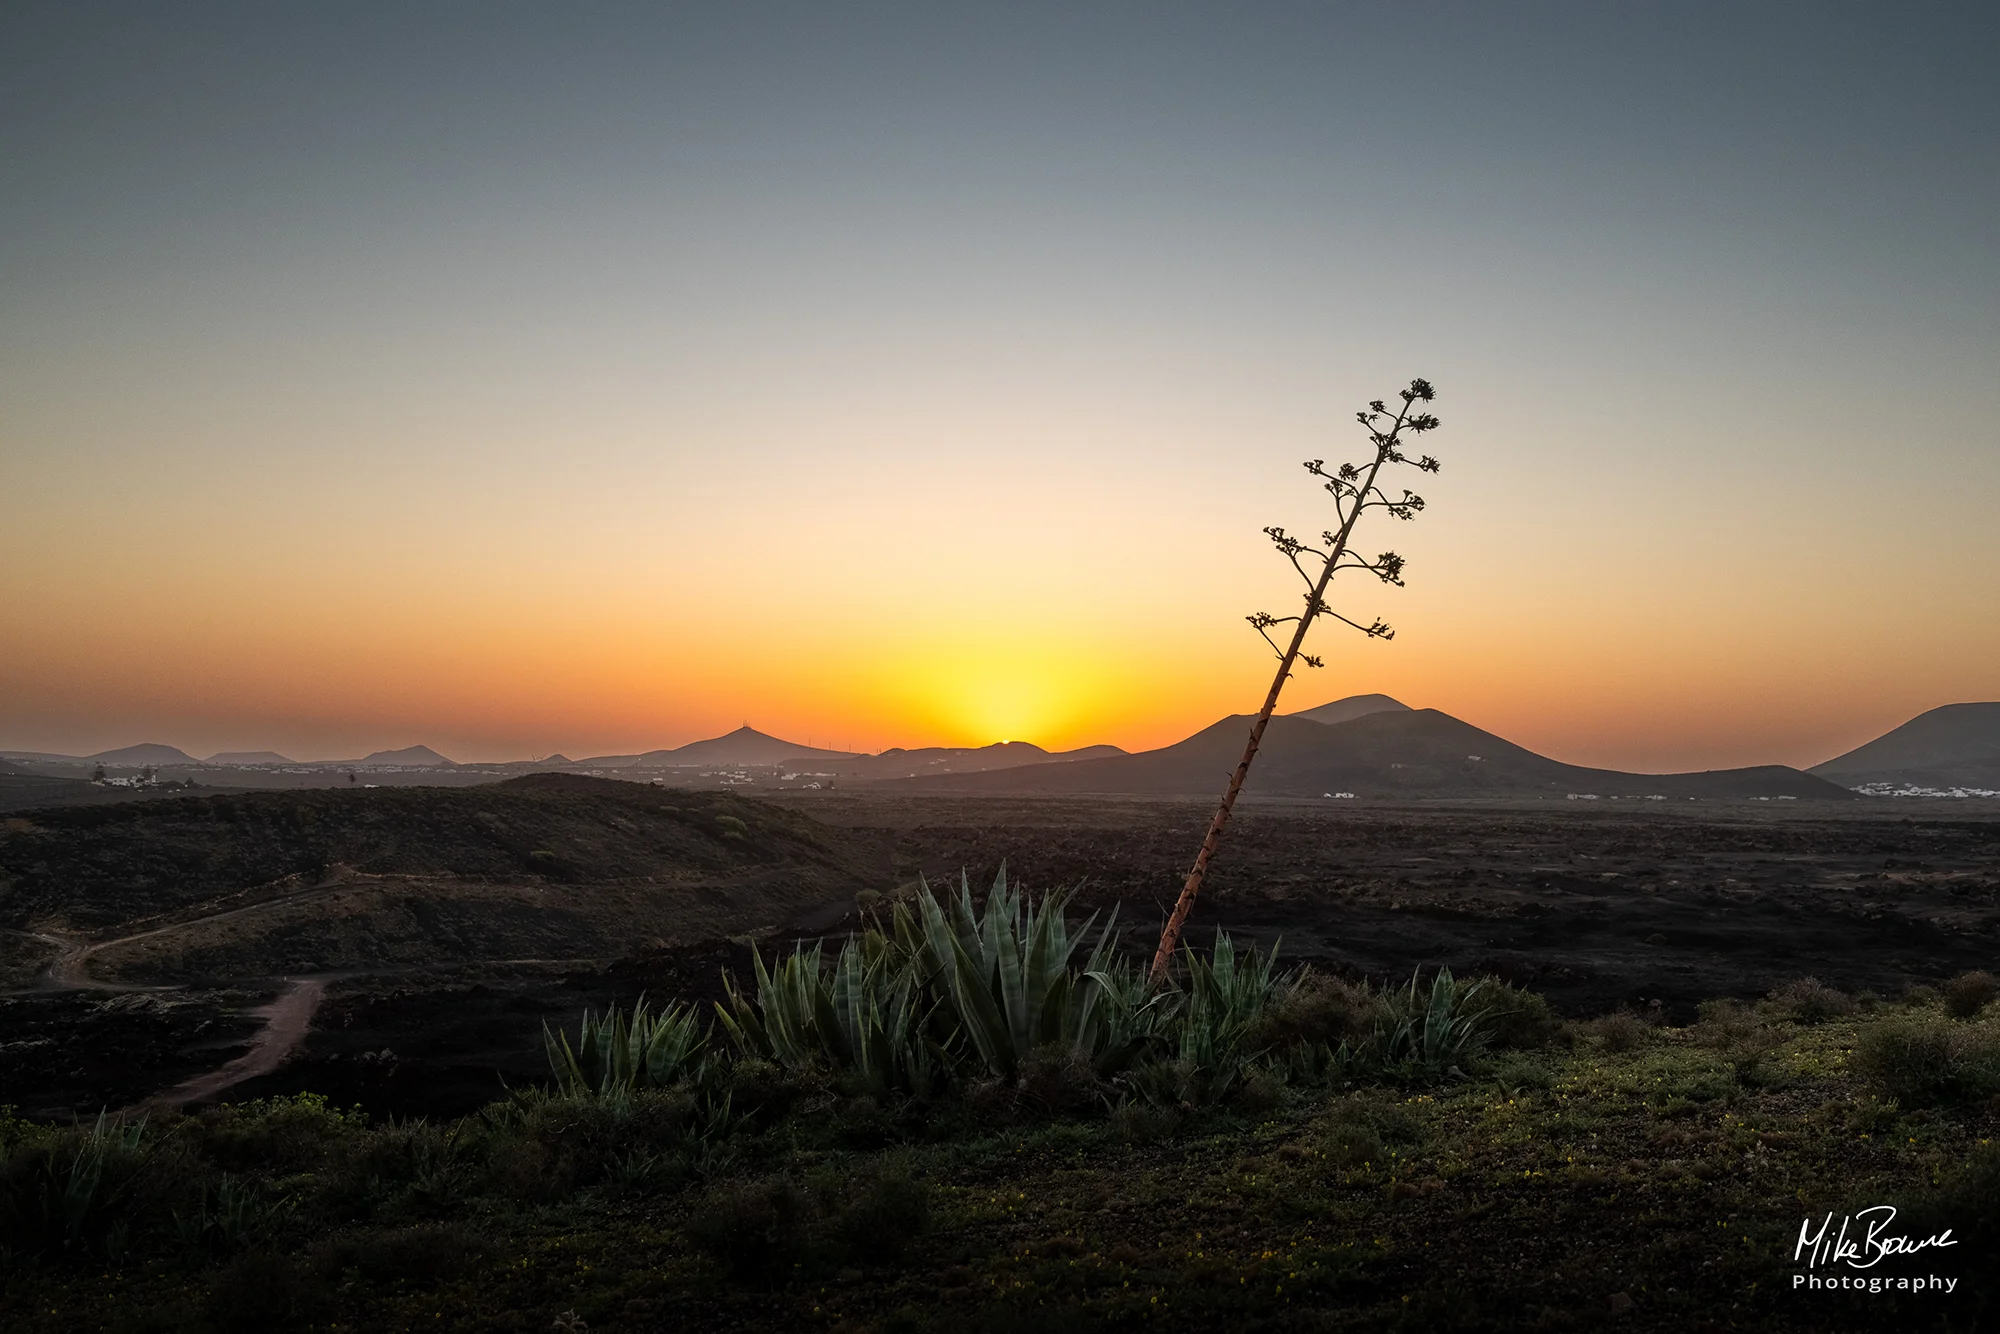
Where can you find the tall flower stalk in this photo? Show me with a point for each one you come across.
(1355, 490)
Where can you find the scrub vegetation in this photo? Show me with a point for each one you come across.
(982, 1116)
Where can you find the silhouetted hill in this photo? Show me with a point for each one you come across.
(98, 865)
(746, 745)
(1957, 745)
(248, 757)
(928, 761)
(409, 757)
(1354, 706)
(150, 752)
(1412, 752)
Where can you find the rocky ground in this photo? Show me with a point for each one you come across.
(1595, 906)
(453, 976)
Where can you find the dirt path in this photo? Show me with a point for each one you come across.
(286, 1020)
(67, 972)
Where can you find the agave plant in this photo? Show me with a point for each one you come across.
(868, 1016)
(1005, 976)
(618, 1052)
(1206, 1027)
(1429, 1033)
(1226, 994)
(73, 1193)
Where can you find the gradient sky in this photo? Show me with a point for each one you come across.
(518, 378)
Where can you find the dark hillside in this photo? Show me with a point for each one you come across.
(1390, 753)
(1354, 706)
(21, 788)
(97, 866)
(1956, 745)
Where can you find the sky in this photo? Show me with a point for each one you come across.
(522, 378)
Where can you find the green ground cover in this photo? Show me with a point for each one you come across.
(1340, 1162)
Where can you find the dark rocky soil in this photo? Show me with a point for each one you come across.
(103, 866)
(439, 1044)
(75, 1053)
(1596, 907)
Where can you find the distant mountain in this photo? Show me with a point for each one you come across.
(410, 757)
(234, 757)
(929, 761)
(149, 753)
(1387, 753)
(1354, 706)
(1099, 752)
(40, 757)
(1957, 745)
(746, 746)
(546, 764)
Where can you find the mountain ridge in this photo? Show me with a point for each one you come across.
(1953, 745)
(1350, 708)
(1410, 752)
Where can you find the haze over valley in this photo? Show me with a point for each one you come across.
(1355, 748)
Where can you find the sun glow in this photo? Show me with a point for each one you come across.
(978, 692)
(1007, 702)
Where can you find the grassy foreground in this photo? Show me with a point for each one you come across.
(1618, 1173)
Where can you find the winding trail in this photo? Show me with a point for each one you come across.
(66, 972)
(287, 1018)
(286, 1021)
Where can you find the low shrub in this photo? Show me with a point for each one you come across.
(1739, 1035)
(1054, 1079)
(1362, 1127)
(1348, 1145)
(862, 1122)
(1137, 1122)
(872, 1216)
(1872, 1115)
(754, 1229)
(1515, 1072)
(411, 1166)
(1317, 1008)
(761, 1090)
(259, 1291)
(1387, 1116)
(227, 1215)
(765, 1228)
(422, 1255)
(1514, 1019)
(1619, 1031)
(80, 1192)
(1967, 1201)
(1724, 1023)
(551, 1145)
(1926, 1062)
(1258, 1091)
(1969, 993)
(1811, 1001)
(296, 1134)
